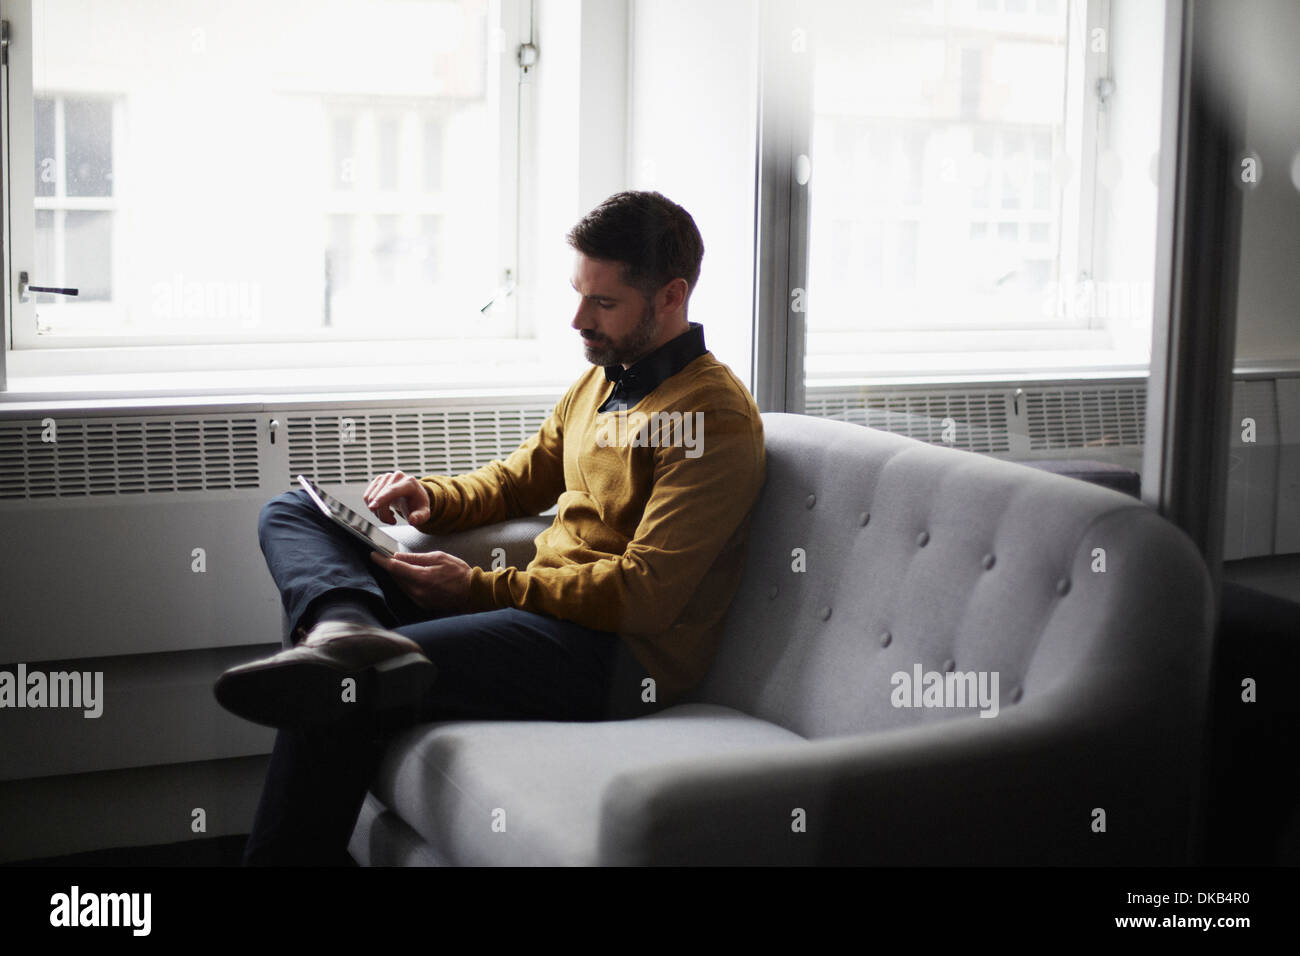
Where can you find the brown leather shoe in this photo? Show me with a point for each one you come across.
(308, 685)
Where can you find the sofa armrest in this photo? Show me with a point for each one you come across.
(514, 537)
(1021, 788)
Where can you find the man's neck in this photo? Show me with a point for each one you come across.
(676, 330)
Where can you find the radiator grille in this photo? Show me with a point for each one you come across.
(979, 418)
(55, 458)
(1085, 417)
(354, 448)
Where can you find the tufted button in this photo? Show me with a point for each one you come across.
(1063, 586)
(886, 639)
(988, 561)
(923, 539)
(825, 614)
(810, 500)
(1016, 694)
(864, 518)
(771, 592)
(949, 666)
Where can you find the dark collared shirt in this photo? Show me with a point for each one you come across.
(645, 375)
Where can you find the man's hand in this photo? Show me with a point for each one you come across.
(436, 581)
(396, 493)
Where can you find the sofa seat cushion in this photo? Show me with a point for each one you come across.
(520, 793)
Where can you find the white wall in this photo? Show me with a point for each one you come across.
(694, 106)
(644, 94)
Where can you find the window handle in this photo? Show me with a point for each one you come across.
(506, 289)
(25, 290)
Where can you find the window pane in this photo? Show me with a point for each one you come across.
(430, 253)
(47, 169)
(432, 154)
(388, 153)
(89, 254)
(340, 253)
(89, 131)
(923, 124)
(343, 141)
(386, 249)
(47, 265)
(277, 157)
(972, 68)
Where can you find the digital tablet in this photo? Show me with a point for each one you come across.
(356, 525)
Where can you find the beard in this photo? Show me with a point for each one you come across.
(604, 351)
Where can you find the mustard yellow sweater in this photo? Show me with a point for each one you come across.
(654, 506)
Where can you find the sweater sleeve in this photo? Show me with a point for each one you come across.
(695, 506)
(526, 483)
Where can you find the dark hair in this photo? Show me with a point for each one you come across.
(655, 239)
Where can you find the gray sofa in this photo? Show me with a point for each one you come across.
(1093, 613)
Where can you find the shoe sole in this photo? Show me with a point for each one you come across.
(305, 694)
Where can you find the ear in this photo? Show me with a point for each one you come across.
(672, 297)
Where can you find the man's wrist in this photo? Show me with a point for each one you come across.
(481, 593)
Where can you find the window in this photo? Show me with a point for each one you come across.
(933, 144)
(383, 250)
(964, 158)
(254, 173)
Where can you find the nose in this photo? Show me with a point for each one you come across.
(583, 316)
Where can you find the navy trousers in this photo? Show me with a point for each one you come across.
(504, 664)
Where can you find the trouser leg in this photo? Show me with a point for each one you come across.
(310, 557)
(316, 780)
(510, 664)
(314, 786)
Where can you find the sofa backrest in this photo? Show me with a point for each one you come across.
(878, 563)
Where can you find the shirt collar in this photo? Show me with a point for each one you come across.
(670, 358)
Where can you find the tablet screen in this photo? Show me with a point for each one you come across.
(360, 526)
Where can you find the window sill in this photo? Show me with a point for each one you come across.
(928, 368)
(286, 373)
(280, 387)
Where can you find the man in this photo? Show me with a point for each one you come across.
(655, 457)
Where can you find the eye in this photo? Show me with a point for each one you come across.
(607, 306)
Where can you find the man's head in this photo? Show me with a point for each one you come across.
(638, 259)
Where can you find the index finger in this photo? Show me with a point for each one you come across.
(375, 483)
(379, 494)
